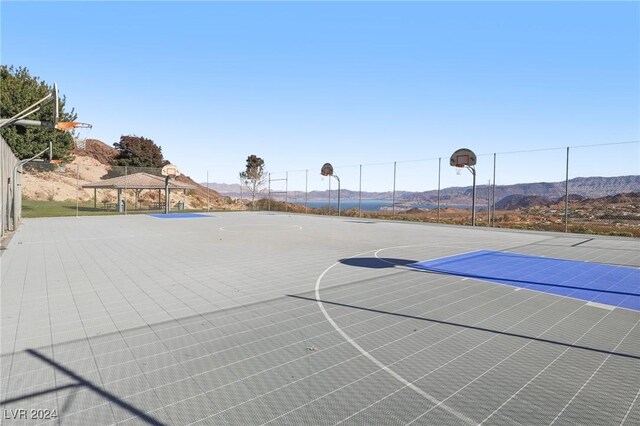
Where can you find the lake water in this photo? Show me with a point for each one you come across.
(367, 205)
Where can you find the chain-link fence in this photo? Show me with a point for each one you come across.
(587, 189)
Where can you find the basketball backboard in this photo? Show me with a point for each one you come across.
(170, 170)
(463, 157)
(326, 170)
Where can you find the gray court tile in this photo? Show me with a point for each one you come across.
(210, 333)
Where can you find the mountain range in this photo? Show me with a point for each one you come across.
(580, 187)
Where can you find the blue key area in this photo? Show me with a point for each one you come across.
(594, 282)
(178, 215)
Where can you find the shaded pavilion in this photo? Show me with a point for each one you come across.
(137, 182)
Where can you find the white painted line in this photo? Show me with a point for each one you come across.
(595, 372)
(601, 305)
(380, 365)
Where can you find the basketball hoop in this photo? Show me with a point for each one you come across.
(65, 126)
(79, 137)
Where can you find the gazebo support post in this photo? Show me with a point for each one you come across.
(138, 182)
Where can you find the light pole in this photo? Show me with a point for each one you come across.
(327, 170)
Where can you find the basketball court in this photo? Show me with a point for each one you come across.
(262, 318)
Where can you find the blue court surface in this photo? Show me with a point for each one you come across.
(178, 215)
(595, 282)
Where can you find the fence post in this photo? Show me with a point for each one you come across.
(208, 190)
(566, 195)
(439, 168)
(125, 193)
(77, 190)
(493, 193)
(269, 194)
(489, 203)
(393, 201)
(360, 194)
(286, 192)
(306, 189)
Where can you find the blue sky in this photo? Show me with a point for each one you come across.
(302, 83)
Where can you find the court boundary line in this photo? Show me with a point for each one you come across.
(373, 359)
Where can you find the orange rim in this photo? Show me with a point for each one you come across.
(69, 125)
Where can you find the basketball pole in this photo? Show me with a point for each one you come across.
(327, 170)
(166, 194)
(461, 158)
(473, 196)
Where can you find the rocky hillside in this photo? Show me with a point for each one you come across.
(516, 201)
(97, 150)
(52, 182)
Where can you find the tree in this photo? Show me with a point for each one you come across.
(18, 90)
(253, 176)
(137, 151)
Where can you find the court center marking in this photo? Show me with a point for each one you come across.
(373, 359)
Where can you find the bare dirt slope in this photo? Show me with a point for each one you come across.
(64, 182)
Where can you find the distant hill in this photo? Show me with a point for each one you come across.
(224, 188)
(586, 187)
(516, 201)
(521, 193)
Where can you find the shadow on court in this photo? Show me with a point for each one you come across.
(79, 382)
(471, 327)
(375, 262)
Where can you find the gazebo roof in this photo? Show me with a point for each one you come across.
(137, 181)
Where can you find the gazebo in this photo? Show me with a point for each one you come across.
(137, 182)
